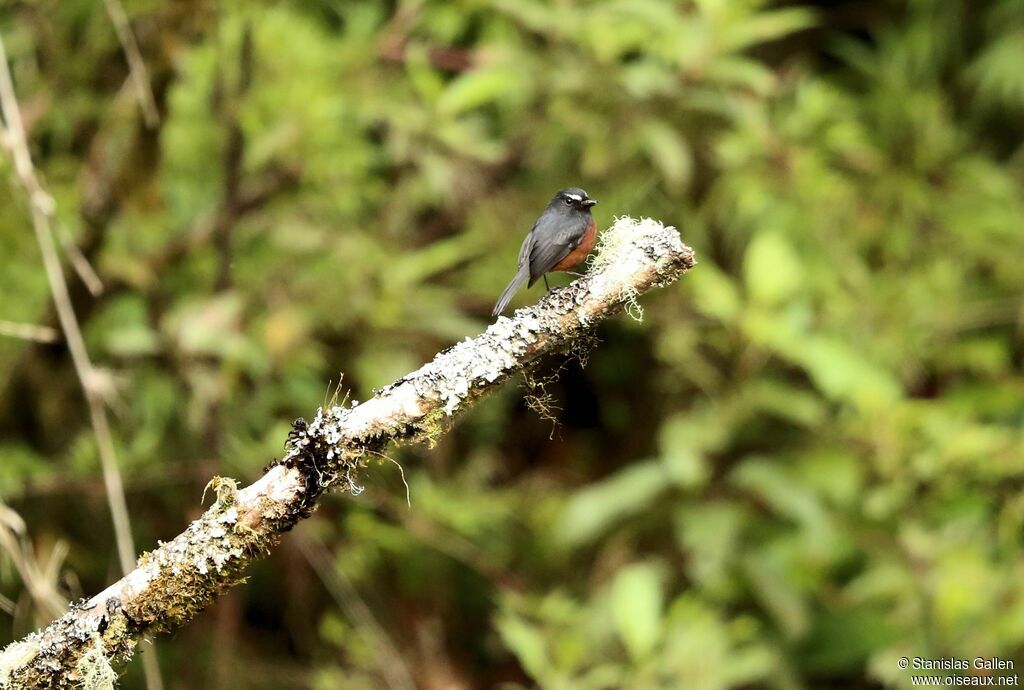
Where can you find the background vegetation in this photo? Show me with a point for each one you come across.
(804, 463)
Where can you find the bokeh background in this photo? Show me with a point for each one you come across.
(805, 462)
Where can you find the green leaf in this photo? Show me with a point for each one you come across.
(996, 72)
(132, 340)
(780, 490)
(767, 26)
(741, 72)
(681, 453)
(771, 268)
(794, 404)
(709, 534)
(480, 87)
(423, 78)
(525, 641)
(593, 509)
(669, 152)
(845, 374)
(778, 595)
(714, 293)
(637, 601)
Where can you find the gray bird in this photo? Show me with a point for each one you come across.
(559, 241)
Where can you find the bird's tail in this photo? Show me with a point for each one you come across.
(520, 279)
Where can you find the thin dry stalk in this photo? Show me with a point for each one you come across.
(86, 273)
(345, 594)
(40, 582)
(136, 65)
(42, 210)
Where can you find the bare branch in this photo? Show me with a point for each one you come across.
(178, 579)
(86, 273)
(392, 665)
(136, 65)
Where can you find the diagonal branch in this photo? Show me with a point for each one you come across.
(178, 579)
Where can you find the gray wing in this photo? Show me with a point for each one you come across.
(551, 245)
(524, 251)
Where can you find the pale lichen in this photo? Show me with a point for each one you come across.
(14, 656)
(94, 668)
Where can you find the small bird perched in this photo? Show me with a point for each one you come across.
(559, 240)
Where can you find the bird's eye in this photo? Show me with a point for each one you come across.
(568, 201)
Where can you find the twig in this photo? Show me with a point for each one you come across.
(448, 542)
(86, 273)
(177, 580)
(28, 331)
(38, 581)
(42, 211)
(227, 109)
(136, 65)
(392, 665)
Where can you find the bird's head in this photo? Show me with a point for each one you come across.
(573, 198)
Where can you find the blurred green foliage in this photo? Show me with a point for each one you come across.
(804, 463)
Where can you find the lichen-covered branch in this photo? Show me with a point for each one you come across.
(175, 581)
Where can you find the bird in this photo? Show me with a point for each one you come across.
(560, 240)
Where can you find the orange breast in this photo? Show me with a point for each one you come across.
(577, 255)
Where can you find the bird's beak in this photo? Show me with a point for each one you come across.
(587, 203)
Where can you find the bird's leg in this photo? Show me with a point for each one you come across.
(548, 287)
